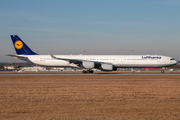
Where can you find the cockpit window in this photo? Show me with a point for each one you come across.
(172, 59)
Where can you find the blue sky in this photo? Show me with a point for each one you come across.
(108, 27)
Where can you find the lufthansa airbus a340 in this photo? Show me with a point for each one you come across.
(90, 62)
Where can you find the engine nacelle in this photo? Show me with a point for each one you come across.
(88, 65)
(108, 67)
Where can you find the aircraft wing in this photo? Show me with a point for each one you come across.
(77, 61)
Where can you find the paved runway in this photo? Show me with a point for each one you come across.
(79, 73)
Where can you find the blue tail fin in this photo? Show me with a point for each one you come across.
(20, 47)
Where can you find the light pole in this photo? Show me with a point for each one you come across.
(132, 52)
(84, 52)
(36, 64)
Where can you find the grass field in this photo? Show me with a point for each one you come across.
(90, 97)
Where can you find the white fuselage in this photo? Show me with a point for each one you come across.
(116, 60)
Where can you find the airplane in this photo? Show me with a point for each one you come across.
(90, 62)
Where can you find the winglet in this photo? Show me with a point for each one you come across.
(54, 57)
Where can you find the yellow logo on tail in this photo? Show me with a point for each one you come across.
(18, 44)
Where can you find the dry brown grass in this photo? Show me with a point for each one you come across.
(90, 97)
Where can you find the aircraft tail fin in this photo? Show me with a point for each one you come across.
(20, 47)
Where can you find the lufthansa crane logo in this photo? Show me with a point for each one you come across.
(18, 44)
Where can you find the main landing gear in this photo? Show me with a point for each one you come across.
(87, 71)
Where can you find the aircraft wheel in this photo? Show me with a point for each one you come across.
(91, 71)
(83, 71)
(88, 71)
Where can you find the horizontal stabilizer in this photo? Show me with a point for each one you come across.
(19, 57)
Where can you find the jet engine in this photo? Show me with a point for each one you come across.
(88, 65)
(108, 67)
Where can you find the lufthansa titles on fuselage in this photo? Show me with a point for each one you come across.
(151, 57)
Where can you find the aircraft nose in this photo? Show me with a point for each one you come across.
(175, 62)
